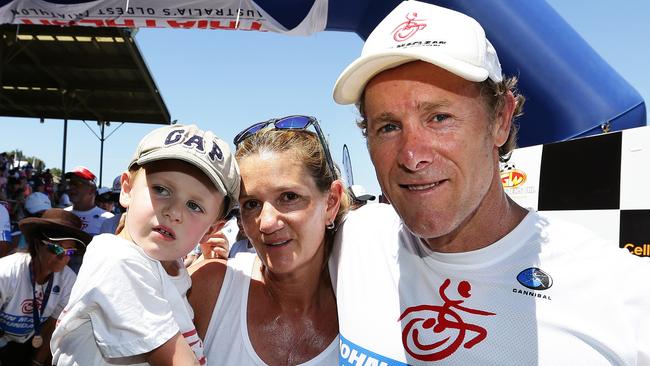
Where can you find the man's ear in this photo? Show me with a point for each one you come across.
(126, 180)
(503, 120)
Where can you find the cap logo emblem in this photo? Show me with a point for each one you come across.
(195, 142)
(408, 28)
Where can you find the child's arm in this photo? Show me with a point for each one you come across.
(175, 351)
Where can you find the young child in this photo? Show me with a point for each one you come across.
(128, 305)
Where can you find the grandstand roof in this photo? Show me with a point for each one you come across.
(76, 73)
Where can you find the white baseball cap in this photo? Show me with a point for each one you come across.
(202, 149)
(419, 31)
(360, 193)
(37, 202)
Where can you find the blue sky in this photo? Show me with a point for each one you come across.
(225, 81)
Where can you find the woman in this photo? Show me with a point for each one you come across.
(35, 286)
(276, 307)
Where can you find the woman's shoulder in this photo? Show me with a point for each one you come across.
(209, 271)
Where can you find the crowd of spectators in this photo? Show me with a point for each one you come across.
(26, 192)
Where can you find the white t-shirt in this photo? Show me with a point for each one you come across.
(5, 224)
(91, 220)
(548, 293)
(122, 306)
(110, 225)
(226, 340)
(17, 297)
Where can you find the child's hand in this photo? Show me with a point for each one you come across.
(215, 247)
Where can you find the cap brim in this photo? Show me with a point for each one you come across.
(29, 225)
(164, 154)
(70, 175)
(353, 80)
(365, 197)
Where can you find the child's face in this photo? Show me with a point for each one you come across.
(171, 206)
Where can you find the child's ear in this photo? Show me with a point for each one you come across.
(218, 225)
(125, 193)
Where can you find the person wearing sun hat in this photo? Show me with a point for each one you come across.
(35, 286)
(35, 205)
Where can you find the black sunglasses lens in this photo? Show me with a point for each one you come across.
(248, 132)
(295, 122)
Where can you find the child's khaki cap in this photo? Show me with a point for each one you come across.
(202, 149)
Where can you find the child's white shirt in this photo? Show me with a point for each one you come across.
(122, 306)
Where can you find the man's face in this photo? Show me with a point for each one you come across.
(81, 192)
(431, 140)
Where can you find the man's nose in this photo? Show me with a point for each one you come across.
(416, 149)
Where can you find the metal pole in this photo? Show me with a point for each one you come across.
(65, 144)
(101, 154)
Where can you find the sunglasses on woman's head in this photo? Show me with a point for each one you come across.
(290, 123)
(58, 250)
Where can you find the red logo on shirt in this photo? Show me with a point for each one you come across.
(408, 28)
(27, 306)
(435, 332)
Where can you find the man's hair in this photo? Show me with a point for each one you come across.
(494, 95)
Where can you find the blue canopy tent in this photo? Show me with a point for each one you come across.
(571, 91)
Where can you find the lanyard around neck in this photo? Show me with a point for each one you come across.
(38, 310)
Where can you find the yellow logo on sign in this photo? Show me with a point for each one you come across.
(513, 178)
(640, 250)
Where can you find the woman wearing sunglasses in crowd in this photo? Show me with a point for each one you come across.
(35, 286)
(276, 307)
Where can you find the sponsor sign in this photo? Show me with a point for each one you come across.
(200, 14)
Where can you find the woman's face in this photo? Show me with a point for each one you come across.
(52, 262)
(283, 213)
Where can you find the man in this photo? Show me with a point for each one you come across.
(458, 273)
(82, 190)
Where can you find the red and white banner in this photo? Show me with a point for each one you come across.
(190, 14)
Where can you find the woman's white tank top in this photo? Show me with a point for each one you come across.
(226, 340)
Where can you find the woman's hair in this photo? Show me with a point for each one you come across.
(306, 148)
(34, 246)
(494, 95)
